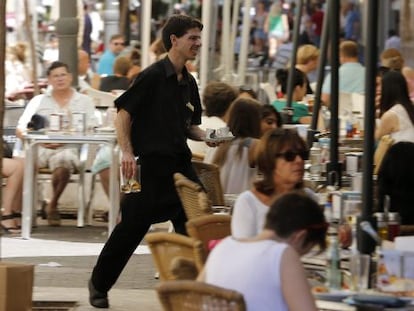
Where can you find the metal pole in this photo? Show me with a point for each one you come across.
(334, 167)
(244, 42)
(321, 75)
(145, 32)
(288, 110)
(234, 31)
(366, 244)
(111, 20)
(205, 16)
(67, 27)
(226, 46)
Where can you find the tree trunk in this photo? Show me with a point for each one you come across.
(2, 81)
(33, 54)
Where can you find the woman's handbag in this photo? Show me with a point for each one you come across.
(383, 145)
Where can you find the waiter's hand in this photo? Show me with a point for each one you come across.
(128, 165)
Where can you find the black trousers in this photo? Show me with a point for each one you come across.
(157, 202)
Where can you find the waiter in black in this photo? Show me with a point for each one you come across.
(155, 117)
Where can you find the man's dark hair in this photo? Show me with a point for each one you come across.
(55, 65)
(178, 25)
(297, 211)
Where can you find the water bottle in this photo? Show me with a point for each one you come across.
(333, 260)
(324, 143)
(315, 160)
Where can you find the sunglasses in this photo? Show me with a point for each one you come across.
(290, 155)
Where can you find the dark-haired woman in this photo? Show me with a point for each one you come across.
(280, 159)
(266, 268)
(270, 118)
(300, 110)
(236, 158)
(396, 109)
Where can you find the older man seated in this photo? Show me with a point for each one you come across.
(61, 99)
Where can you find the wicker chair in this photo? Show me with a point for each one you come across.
(208, 228)
(196, 296)
(176, 256)
(194, 199)
(209, 175)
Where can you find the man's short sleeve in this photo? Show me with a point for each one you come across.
(28, 112)
(326, 87)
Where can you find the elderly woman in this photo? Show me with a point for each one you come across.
(281, 155)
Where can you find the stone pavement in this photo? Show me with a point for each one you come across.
(64, 278)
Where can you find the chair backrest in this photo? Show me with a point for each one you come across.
(168, 248)
(208, 228)
(193, 197)
(100, 98)
(269, 91)
(209, 175)
(196, 296)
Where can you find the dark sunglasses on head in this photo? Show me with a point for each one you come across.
(291, 155)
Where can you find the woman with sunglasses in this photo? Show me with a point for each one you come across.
(280, 159)
(267, 269)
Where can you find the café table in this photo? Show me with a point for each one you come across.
(31, 143)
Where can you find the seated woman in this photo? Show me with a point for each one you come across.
(236, 158)
(396, 179)
(267, 269)
(270, 118)
(280, 159)
(300, 110)
(13, 170)
(396, 109)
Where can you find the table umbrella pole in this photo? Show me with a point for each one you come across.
(366, 244)
(321, 74)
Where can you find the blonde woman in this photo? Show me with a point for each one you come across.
(307, 58)
(277, 28)
(392, 58)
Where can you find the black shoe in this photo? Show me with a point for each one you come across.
(97, 299)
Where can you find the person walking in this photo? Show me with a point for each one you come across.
(155, 117)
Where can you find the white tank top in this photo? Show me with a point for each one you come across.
(406, 132)
(251, 268)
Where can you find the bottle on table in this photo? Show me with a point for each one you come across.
(393, 225)
(333, 271)
(315, 160)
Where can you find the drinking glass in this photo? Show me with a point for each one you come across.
(359, 269)
(132, 184)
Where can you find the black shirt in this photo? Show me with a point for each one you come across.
(113, 82)
(162, 110)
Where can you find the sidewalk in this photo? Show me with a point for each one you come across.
(64, 257)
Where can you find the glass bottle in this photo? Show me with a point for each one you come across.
(393, 225)
(315, 160)
(382, 227)
(333, 271)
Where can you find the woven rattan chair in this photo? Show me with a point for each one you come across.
(175, 254)
(193, 197)
(209, 228)
(196, 296)
(209, 175)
